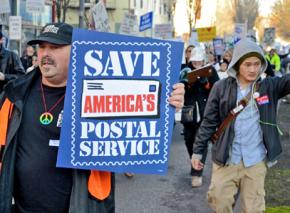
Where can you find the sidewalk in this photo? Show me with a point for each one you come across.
(278, 177)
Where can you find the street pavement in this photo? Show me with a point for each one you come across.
(171, 193)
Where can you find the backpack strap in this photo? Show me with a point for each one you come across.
(232, 115)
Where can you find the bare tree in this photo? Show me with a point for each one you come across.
(61, 9)
(236, 11)
(193, 12)
(225, 17)
(280, 19)
(246, 11)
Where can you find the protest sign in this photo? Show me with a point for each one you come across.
(269, 36)
(35, 6)
(240, 31)
(206, 33)
(15, 27)
(5, 6)
(99, 18)
(129, 24)
(163, 31)
(218, 46)
(146, 21)
(116, 113)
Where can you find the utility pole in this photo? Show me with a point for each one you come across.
(53, 11)
(81, 14)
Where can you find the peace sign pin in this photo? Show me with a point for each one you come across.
(46, 118)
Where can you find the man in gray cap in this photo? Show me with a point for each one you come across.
(243, 108)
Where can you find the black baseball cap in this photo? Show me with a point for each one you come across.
(55, 33)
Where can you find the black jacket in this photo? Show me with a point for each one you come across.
(223, 99)
(199, 90)
(80, 200)
(10, 65)
(26, 61)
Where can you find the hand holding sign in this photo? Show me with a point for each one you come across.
(177, 96)
(204, 71)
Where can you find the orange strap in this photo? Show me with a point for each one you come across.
(99, 184)
(5, 114)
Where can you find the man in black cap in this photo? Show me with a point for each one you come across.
(10, 64)
(29, 172)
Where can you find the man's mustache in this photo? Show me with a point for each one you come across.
(47, 60)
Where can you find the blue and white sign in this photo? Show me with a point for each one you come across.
(240, 31)
(218, 46)
(116, 113)
(146, 21)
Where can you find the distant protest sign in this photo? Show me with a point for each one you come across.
(146, 21)
(15, 27)
(5, 6)
(35, 6)
(269, 36)
(218, 46)
(163, 31)
(206, 33)
(99, 18)
(129, 24)
(116, 113)
(240, 31)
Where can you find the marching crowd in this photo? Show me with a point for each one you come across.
(233, 105)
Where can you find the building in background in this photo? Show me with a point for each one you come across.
(31, 22)
(116, 10)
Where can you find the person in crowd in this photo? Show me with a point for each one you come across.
(269, 70)
(275, 61)
(285, 59)
(26, 58)
(226, 59)
(28, 171)
(224, 63)
(213, 60)
(10, 65)
(244, 145)
(187, 53)
(196, 95)
(34, 64)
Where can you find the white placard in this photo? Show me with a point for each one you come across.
(163, 31)
(129, 24)
(5, 6)
(35, 6)
(100, 17)
(15, 27)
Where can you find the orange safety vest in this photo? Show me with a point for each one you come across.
(99, 184)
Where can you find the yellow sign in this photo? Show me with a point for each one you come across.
(206, 33)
